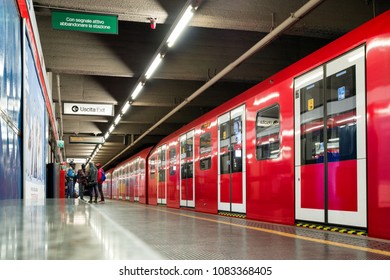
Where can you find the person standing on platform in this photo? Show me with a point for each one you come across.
(92, 181)
(71, 176)
(82, 180)
(100, 180)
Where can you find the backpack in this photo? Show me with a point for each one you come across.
(103, 176)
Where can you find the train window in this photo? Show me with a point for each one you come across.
(161, 175)
(152, 167)
(341, 115)
(205, 147)
(172, 161)
(187, 170)
(205, 143)
(205, 163)
(224, 134)
(225, 163)
(186, 148)
(312, 126)
(189, 147)
(267, 133)
(161, 168)
(236, 130)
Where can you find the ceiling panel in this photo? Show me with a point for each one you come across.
(101, 68)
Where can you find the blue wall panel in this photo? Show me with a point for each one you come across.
(10, 101)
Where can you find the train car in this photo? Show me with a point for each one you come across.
(308, 144)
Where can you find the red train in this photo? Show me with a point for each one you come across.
(307, 144)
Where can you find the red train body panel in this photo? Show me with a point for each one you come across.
(129, 180)
(309, 143)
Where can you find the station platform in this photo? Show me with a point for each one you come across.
(72, 229)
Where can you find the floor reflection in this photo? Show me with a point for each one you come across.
(64, 229)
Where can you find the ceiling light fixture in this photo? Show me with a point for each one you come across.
(125, 107)
(137, 90)
(118, 118)
(153, 66)
(180, 26)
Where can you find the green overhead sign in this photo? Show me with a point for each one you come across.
(95, 23)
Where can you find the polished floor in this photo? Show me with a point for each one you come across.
(71, 229)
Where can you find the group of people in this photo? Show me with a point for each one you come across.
(90, 178)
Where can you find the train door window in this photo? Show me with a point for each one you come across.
(183, 156)
(224, 136)
(189, 144)
(236, 143)
(187, 153)
(190, 154)
(230, 144)
(236, 130)
(205, 150)
(172, 161)
(152, 167)
(268, 133)
(341, 112)
(312, 120)
(161, 171)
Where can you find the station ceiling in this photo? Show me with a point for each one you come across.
(105, 68)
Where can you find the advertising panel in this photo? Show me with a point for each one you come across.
(34, 132)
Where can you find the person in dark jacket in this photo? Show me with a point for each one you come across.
(92, 181)
(82, 180)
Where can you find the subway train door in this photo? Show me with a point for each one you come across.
(187, 182)
(330, 142)
(136, 180)
(231, 163)
(162, 182)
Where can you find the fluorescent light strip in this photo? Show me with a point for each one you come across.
(111, 128)
(118, 118)
(137, 90)
(125, 108)
(180, 26)
(153, 66)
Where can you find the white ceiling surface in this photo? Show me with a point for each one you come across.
(102, 68)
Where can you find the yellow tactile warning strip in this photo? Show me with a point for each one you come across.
(231, 214)
(333, 229)
(285, 234)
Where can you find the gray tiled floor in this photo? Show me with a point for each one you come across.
(72, 229)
